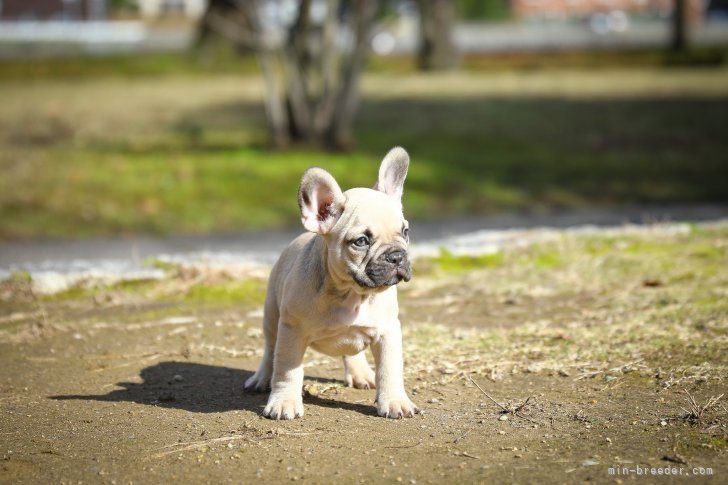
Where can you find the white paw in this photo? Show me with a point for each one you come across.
(363, 379)
(284, 409)
(396, 408)
(258, 382)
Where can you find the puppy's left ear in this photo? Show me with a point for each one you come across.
(320, 200)
(392, 173)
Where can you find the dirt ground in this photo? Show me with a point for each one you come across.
(120, 385)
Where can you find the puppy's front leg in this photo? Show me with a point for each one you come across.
(392, 400)
(285, 401)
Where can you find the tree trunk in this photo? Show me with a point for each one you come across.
(311, 86)
(339, 133)
(437, 49)
(679, 26)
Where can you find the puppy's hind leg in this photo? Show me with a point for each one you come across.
(357, 372)
(260, 381)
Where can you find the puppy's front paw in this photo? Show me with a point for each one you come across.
(258, 382)
(396, 408)
(284, 409)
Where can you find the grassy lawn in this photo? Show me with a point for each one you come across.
(175, 152)
(599, 340)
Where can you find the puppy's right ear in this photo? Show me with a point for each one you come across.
(320, 200)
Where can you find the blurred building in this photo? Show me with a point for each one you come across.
(52, 10)
(152, 9)
(619, 10)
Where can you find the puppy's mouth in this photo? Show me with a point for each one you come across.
(383, 275)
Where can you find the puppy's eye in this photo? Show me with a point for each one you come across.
(362, 242)
(405, 233)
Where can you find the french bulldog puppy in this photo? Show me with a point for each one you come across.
(334, 289)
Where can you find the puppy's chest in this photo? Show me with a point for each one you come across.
(345, 333)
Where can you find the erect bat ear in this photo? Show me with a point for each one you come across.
(320, 200)
(392, 173)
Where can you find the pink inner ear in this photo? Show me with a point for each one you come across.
(324, 208)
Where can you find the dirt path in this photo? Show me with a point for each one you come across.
(131, 385)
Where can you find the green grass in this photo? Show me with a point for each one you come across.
(249, 292)
(181, 153)
(585, 309)
(211, 59)
(449, 262)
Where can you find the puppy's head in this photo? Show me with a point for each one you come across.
(364, 229)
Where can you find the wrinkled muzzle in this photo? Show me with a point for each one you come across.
(387, 270)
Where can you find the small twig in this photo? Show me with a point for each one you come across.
(521, 406)
(524, 417)
(294, 433)
(675, 459)
(696, 411)
(613, 369)
(193, 445)
(462, 435)
(468, 455)
(403, 446)
(505, 409)
(488, 396)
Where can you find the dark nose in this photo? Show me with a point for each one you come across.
(394, 257)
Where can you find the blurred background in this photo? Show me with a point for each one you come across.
(165, 117)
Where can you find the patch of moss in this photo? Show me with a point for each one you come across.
(708, 251)
(719, 442)
(20, 277)
(244, 292)
(449, 262)
(159, 264)
(79, 291)
(490, 341)
(548, 260)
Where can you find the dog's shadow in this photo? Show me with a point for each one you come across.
(201, 388)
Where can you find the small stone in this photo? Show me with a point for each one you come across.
(609, 440)
(501, 432)
(663, 423)
(503, 417)
(434, 400)
(178, 378)
(312, 390)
